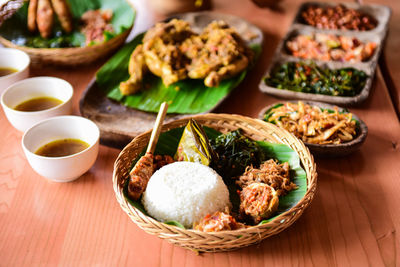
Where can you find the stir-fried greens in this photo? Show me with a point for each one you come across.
(235, 153)
(313, 124)
(309, 78)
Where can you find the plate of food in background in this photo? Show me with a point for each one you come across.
(192, 61)
(327, 130)
(66, 32)
(329, 54)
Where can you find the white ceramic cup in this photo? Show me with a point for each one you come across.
(16, 59)
(32, 88)
(68, 168)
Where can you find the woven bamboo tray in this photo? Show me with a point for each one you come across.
(225, 240)
(70, 56)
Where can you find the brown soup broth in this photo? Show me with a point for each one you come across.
(7, 71)
(38, 104)
(62, 148)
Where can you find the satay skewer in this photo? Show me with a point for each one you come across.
(143, 169)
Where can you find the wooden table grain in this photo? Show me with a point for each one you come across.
(352, 221)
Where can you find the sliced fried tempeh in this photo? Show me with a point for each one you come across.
(44, 18)
(32, 9)
(64, 15)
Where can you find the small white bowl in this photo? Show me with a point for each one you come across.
(16, 59)
(32, 88)
(68, 168)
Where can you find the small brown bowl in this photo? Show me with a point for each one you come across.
(330, 150)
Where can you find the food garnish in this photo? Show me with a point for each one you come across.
(172, 51)
(313, 124)
(338, 17)
(310, 78)
(321, 46)
(271, 173)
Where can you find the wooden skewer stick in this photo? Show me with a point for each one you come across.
(157, 127)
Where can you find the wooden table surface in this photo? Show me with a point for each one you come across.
(352, 221)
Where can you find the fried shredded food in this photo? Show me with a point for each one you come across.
(313, 124)
(271, 173)
(258, 201)
(218, 221)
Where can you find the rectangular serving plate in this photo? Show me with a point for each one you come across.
(377, 35)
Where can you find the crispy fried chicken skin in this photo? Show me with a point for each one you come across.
(173, 52)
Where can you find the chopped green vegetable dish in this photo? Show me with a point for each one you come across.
(309, 78)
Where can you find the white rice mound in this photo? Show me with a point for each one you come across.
(185, 192)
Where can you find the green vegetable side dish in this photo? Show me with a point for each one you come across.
(15, 28)
(168, 144)
(309, 78)
(187, 96)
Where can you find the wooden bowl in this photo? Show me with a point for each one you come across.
(330, 150)
(225, 240)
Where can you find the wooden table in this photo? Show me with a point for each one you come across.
(352, 221)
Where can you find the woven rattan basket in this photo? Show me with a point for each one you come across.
(70, 56)
(225, 240)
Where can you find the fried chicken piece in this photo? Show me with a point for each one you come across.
(64, 15)
(44, 18)
(258, 201)
(140, 176)
(137, 68)
(32, 9)
(221, 55)
(161, 49)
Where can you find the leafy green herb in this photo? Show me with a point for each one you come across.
(309, 78)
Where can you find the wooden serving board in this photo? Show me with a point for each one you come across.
(119, 124)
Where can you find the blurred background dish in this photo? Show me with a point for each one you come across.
(45, 97)
(64, 168)
(14, 66)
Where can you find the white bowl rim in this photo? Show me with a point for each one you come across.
(57, 118)
(21, 70)
(39, 111)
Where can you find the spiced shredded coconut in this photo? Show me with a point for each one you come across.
(218, 221)
(95, 23)
(271, 173)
